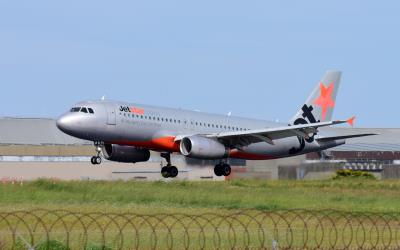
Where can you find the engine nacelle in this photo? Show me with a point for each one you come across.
(202, 148)
(120, 153)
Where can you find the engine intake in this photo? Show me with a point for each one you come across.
(129, 154)
(202, 148)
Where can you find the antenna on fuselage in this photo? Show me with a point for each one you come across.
(103, 98)
(229, 113)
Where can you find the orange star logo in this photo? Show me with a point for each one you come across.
(325, 100)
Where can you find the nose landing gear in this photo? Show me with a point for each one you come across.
(222, 169)
(95, 160)
(168, 171)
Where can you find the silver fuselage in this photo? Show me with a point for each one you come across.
(155, 128)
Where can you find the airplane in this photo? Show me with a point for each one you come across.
(127, 132)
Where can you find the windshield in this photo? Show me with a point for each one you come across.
(75, 109)
(82, 109)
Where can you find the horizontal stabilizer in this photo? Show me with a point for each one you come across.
(343, 137)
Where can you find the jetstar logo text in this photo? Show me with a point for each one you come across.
(135, 110)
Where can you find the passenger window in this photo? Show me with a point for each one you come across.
(84, 110)
(91, 110)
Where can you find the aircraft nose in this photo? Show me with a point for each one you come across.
(64, 123)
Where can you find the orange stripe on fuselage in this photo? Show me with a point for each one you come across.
(159, 144)
(234, 153)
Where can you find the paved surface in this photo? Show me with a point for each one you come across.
(106, 171)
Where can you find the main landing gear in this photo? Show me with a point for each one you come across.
(168, 171)
(222, 169)
(95, 160)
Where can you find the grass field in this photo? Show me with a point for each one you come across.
(214, 198)
(347, 195)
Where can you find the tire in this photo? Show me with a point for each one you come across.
(98, 160)
(173, 172)
(92, 160)
(165, 172)
(226, 169)
(218, 170)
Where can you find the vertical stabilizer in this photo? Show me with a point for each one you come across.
(322, 101)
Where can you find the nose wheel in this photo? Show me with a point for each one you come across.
(96, 160)
(222, 169)
(168, 171)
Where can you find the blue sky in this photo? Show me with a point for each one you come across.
(259, 59)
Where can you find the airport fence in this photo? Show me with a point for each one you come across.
(246, 229)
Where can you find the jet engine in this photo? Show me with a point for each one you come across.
(120, 153)
(202, 148)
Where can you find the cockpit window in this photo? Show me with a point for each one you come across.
(75, 109)
(82, 109)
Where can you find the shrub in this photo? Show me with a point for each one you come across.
(340, 174)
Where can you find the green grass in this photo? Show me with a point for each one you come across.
(215, 198)
(182, 196)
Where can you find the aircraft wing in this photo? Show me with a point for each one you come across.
(244, 138)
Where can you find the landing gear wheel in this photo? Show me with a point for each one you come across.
(218, 170)
(226, 169)
(173, 171)
(169, 172)
(97, 159)
(165, 172)
(222, 169)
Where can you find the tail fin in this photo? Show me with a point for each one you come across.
(319, 106)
